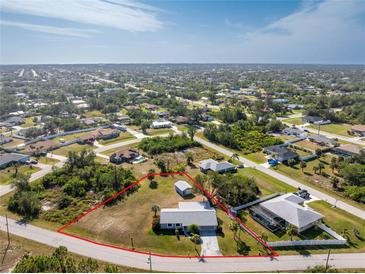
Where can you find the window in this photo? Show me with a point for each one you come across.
(177, 225)
(169, 225)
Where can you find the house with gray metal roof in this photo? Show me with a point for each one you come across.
(213, 165)
(188, 213)
(9, 159)
(291, 209)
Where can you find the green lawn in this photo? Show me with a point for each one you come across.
(124, 136)
(159, 131)
(343, 223)
(257, 157)
(242, 244)
(338, 129)
(69, 137)
(28, 122)
(295, 121)
(267, 184)
(63, 151)
(94, 113)
(7, 174)
(47, 161)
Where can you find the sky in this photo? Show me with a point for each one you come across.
(177, 31)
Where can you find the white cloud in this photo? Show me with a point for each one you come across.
(122, 14)
(84, 33)
(326, 32)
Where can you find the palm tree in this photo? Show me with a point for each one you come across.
(191, 131)
(345, 233)
(292, 231)
(155, 208)
(315, 169)
(303, 165)
(320, 167)
(333, 164)
(235, 156)
(334, 181)
(189, 158)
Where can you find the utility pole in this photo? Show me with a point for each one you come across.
(149, 261)
(7, 247)
(328, 257)
(132, 243)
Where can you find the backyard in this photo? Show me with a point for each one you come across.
(132, 218)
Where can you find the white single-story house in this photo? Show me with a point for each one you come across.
(188, 213)
(213, 165)
(161, 124)
(289, 207)
(183, 188)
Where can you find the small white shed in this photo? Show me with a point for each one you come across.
(183, 188)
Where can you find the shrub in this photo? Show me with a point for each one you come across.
(193, 229)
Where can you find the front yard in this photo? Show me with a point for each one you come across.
(338, 129)
(123, 136)
(7, 174)
(63, 151)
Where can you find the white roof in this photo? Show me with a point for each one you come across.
(189, 213)
(160, 123)
(214, 165)
(288, 208)
(182, 185)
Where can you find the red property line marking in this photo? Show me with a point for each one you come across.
(251, 232)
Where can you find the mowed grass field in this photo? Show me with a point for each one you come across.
(63, 151)
(7, 174)
(123, 136)
(339, 129)
(132, 218)
(295, 121)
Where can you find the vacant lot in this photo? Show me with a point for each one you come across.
(7, 174)
(69, 137)
(309, 145)
(257, 157)
(63, 151)
(339, 129)
(132, 218)
(14, 143)
(123, 136)
(295, 121)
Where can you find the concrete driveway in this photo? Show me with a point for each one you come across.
(209, 246)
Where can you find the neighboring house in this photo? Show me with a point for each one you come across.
(12, 121)
(119, 127)
(188, 213)
(101, 133)
(162, 114)
(280, 101)
(348, 150)
(41, 148)
(88, 122)
(315, 120)
(358, 129)
(161, 124)
(181, 120)
(278, 212)
(123, 118)
(183, 188)
(9, 159)
(295, 106)
(322, 140)
(124, 156)
(281, 153)
(213, 165)
(291, 131)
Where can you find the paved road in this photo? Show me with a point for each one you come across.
(116, 256)
(349, 208)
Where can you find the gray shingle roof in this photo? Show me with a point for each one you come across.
(214, 165)
(11, 157)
